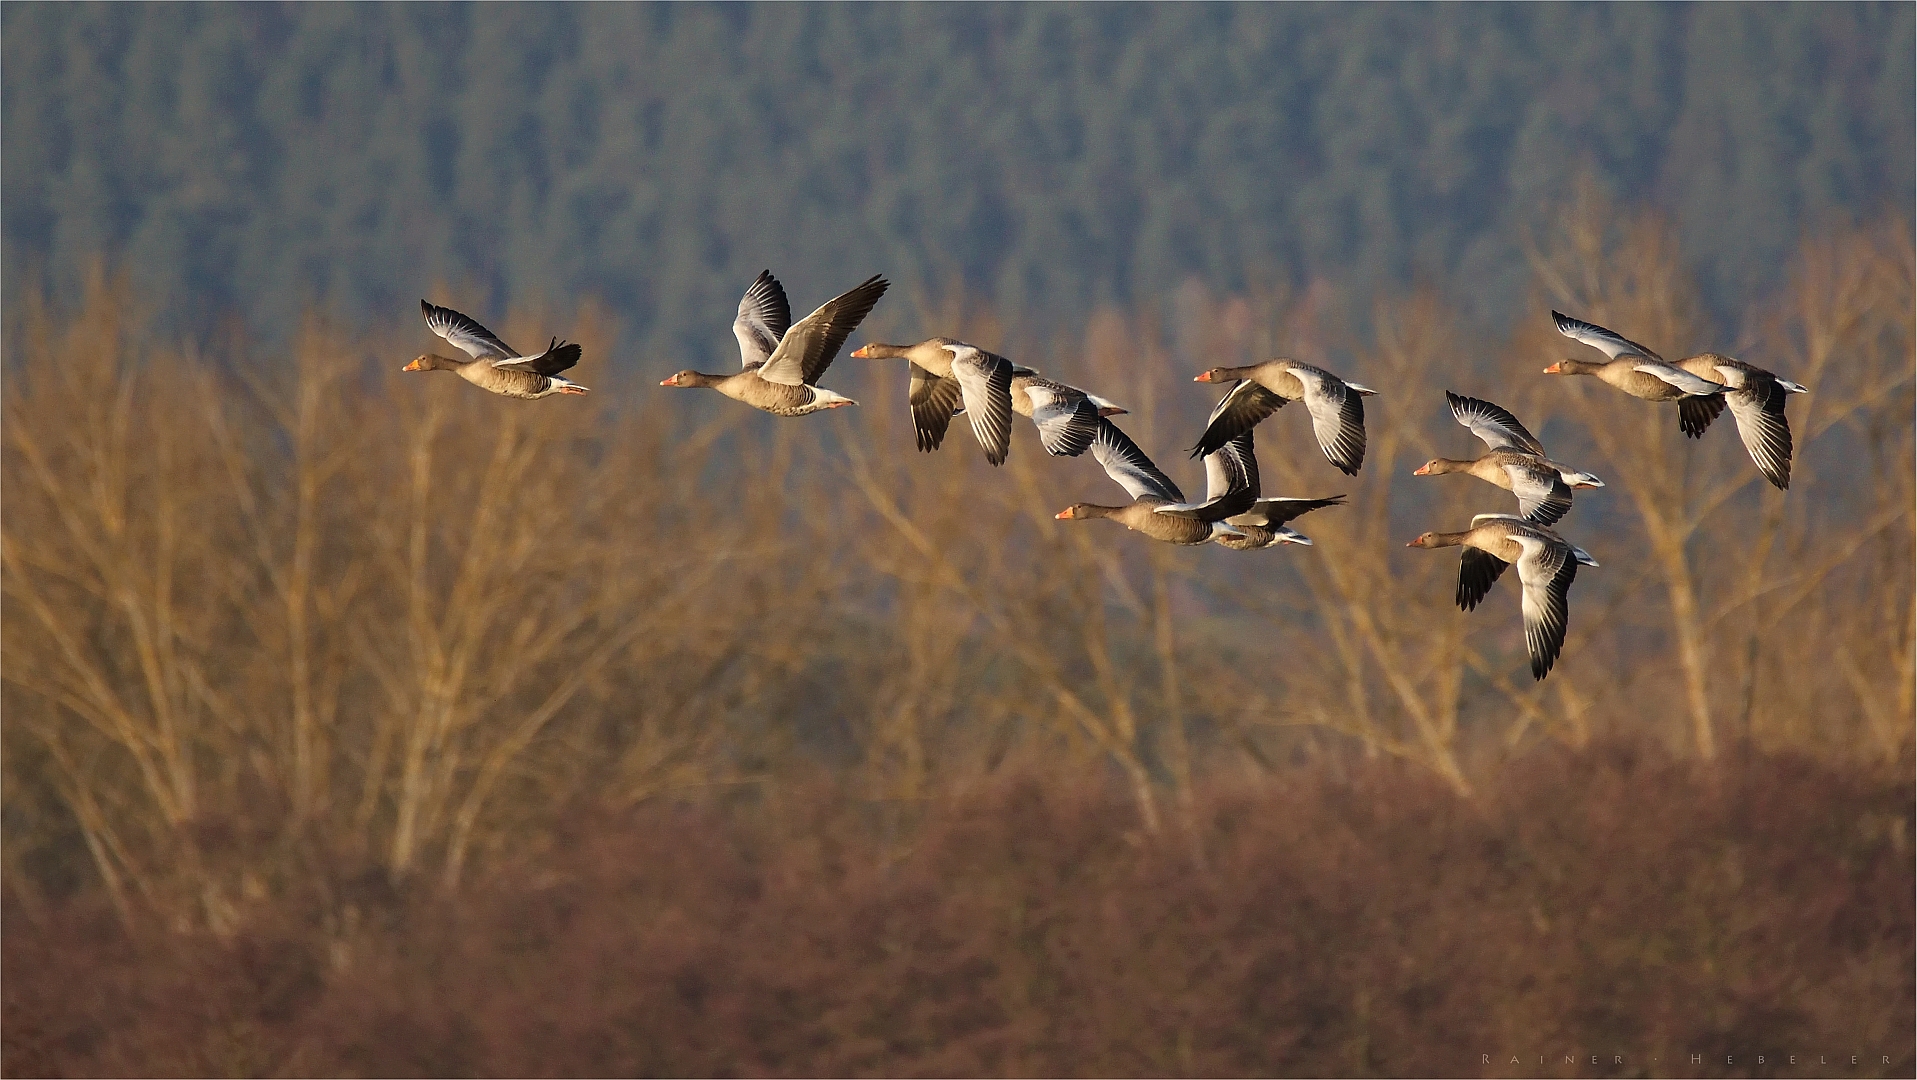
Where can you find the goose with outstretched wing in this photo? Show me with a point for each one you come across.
(493, 364)
(947, 374)
(785, 382)
(1515, 461)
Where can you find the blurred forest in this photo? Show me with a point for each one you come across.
(1048, 159)
(359, 722)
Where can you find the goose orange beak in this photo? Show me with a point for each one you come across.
(859, 353)
(1422, 470)
(1203, 376)
(1552, 370)
(414, 366)
(670, 380)
(1064, 515)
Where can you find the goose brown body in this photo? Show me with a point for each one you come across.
(748, 388)
(492, 364)
(514, 384)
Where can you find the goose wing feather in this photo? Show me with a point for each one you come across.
(1694, 414)
(809, 347)
(1477, 572)
(1546, 570)
(559, 356)
(464, 333)
(1239, 411)
(1543, 496)
(985, 383)
(1066, 419)
(1127, 465)
(1231, 483)
(764, 316)
(1338, 419)
(1609, 342)
(933, 399)
(1678, 377)
(1492, 423)
(1275, 512)
(1759, 412)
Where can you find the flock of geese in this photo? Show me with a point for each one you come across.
(781, 363)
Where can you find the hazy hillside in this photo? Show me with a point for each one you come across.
(1047, 158)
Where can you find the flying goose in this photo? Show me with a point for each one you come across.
(946, 372)
(495, 365)
(1546, 566)
(1152, 491)
(1702, 385)
(1337, 407)
(1756, 398)
(1515, 462)
(784, 381)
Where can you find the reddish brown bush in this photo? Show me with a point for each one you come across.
(1615, 902)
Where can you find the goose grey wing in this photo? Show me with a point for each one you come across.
(1477, 572)
(1231, 484)
(985, 382)
(933, 399)
(1546, 570)
(1695, 385)
(1275, 512)
(464, 333)
(1493, 424)
(1238, 412)
(1608, 342)
(809, 347)
(559, 356)
(1694, 414)
(764, 316)
(1126, 464)
(1338, 419)
(1543, 496)
(1759, 412)
(1067, 421)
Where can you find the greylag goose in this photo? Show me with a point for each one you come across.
(1337, 407)
(1152, 491)
(495, 365)
(1547, 564)
(784, 383)
(1516, 461)
(1701, 385)
(1756, 398)
(946, 373)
